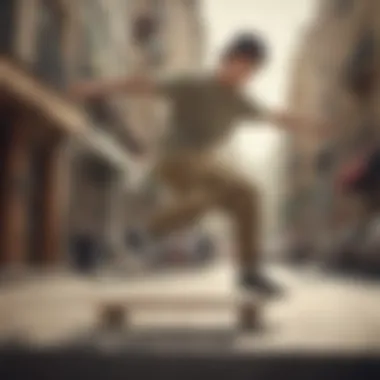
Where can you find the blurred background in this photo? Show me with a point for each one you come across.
(75, 177)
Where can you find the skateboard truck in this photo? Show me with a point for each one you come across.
(113, 316)
(249, 317)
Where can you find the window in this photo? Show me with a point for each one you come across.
(94, 38)
(7, 18)
(365, 52)
(361, 65)
(325, 160)
(50, 62)
(92, 48)
(148, 31)
(85, 68)
(144, 28)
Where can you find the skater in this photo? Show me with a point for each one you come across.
(205, 109)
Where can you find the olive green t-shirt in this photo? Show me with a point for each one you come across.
(204, 112)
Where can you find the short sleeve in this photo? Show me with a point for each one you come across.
(253, 110)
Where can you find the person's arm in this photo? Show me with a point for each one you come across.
(104, 88)
(285, 120)
(300, 124)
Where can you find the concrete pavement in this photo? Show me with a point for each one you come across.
(320, 312)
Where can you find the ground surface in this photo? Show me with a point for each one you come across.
(320, 312)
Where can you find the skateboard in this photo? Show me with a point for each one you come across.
(114, 313)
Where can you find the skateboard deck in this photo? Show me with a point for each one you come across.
(114, 311)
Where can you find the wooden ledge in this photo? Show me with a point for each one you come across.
(17, 83)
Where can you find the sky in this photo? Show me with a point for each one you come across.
(259, 151)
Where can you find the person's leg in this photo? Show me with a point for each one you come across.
(205, 186)
(180, 175)
(241, 201)
(186, 210)
(233, 194)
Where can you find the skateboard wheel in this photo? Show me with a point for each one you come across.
(113, 316)
(249, 317)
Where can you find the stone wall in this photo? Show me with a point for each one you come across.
(335, 46)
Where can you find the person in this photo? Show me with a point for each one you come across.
(205, 109)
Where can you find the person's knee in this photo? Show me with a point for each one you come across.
(244, 198)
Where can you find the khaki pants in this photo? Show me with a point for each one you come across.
(201, 184)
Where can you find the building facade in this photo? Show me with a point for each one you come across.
(335, 79)
(37, 121)
(78, 159)
(126, 38)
